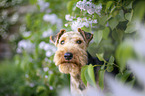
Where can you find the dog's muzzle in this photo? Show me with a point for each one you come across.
(68, 56)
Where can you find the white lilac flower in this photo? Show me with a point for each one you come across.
(65, 25)
(26, 34)
(31, 84)
(45, 69)
(50, 72)
(47, 60)
(47, 33)
(81, 5)
(89, 6)
(46, 76)
(118, 89)
(48, 53)
(43, 5)
(52, 18)
(95, 21)
(47, 47)
(139, 44)
(98, 9)
(138, 68)
(81, 22)
(25, 45)
(51, 87)
(75, 25)
(86, 24)
(42, 44)
(68, 17)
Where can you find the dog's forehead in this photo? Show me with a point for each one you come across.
(72, 34)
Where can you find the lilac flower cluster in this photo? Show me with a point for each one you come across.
(80, 22)
(25, 45)
(50, 50)
(44, 6)
(89, 6)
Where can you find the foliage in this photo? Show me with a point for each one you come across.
(11, 77)
(111, 22)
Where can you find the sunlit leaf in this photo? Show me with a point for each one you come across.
(91, 74)
(106, 32)
(111, 60)
(130, 28)
(83, 70)
(100, 57)
(101, 77)
(108, 5)
(98, 36)
(123, 53)
(113, 23)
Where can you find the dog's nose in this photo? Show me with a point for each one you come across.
(68, 56)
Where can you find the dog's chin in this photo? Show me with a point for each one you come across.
(69, 68)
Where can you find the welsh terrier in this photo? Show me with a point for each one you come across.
(71, 55)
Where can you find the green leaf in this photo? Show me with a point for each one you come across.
(100, 57)
(101, 77)
(51, 79)
(91, 74)
(70, 6)
(108, 5)
(130, 5)
(113, 23)
(130, 28)
(117, 35)
(124, 52)
(106, 33)
(102, 20)
(128, 16)
(40, 88)
(110, 68)
(120, 16)
(83, 70)
(123, 77)
(111, 60)
(98, 36)
(131, 83)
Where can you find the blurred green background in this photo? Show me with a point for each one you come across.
(26, 52)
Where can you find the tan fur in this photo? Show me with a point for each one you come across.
(79, 59)
(78, 50)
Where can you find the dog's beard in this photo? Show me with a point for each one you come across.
(74, 66)
(69, 68)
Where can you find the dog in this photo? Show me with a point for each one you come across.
(72, 55)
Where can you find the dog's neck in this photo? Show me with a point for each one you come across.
(77, 85)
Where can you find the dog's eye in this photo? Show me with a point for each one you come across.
(62, 42)
(78, 41)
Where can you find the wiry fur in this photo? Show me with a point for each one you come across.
(79, 53)
(80, 56)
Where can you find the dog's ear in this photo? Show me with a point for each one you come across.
(86, 35)
(55, 38)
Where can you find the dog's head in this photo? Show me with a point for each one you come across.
(71, 52)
